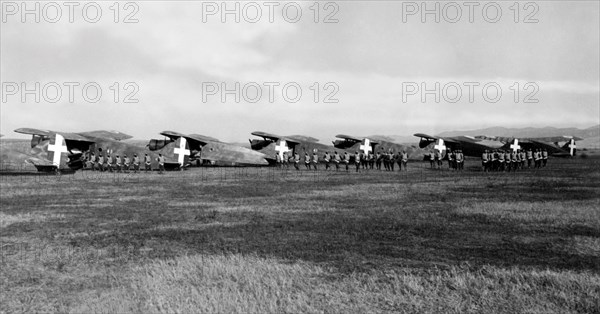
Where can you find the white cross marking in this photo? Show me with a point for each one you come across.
(515, 146)
(181, 151)
(281, 148)
(58, 148)
(366, 148)
(440, 145)
(572, 146)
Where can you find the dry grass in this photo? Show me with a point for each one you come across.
(262, 240)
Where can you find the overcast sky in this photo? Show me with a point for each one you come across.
(373, 58)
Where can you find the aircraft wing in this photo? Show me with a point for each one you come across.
(203, 138)
(113, 135)
(452, 140)
(555, 139)
(349, 138)
(47, 133)
(275, 138)
(302, 138)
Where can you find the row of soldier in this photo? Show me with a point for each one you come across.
(122, 163)
(499, 160)
(456, 159)
(359, 160)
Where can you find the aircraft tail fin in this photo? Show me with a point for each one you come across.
(570, 147)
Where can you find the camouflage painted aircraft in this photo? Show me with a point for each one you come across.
(15, 161)
(475, 146)
(367, 145)
(272, 145)
(209, 151)
(550, 144)
(65, 151)
(470, 146)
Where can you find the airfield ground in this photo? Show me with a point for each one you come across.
(262, 240)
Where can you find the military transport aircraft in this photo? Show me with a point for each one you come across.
(475, 146)
(550, 144)
(470, 146)
(65, 151)
(209, 151)
(272, 145)
(367, 145)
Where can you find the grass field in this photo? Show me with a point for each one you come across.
(262, 240)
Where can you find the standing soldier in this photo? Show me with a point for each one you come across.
(161, 163)
(125, 163)
(315, 159)
(392, 158)
(515, 160)
(459, 160)
(507, 160)
(136, 163)
(484, 161)
(148, 162)
(378, 160)
(523, 157)
(100, 162)
(337, 159)
(347, 160)
(118, 163)
(327, 159)
(93, 161)
(529, 158)
(357, 160)
(109, 163)
(438, 158)
(544, 157)
(285, 160)
(431, 159)
(501, 160)
(450, 159)
(297, 161)
(306, 160)
(278, 161)
(404, 160)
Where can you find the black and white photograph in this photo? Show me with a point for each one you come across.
(352, 156)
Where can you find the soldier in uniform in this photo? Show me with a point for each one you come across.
(278, 161)
(100, 162)
(327, 159)
(297, 161)
(109, 162)
(507, 161)
(515, 160)
(404, 160)
(438, 158)
(529, 158)
(118, 163)
(484, 161)
(161, 163)
(501, 160)
(285, 160)
(357, 160)
(392, 159)
(459, 160)
(523, 157)
(378, 161)
(126, 163)
(431, 159)
(93, 162)
(136, 163)
(315, 159)
(306, 161)
(337, 159)
(148, 162)
(451, 157)
(347, 161)
(544, 157)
